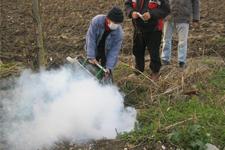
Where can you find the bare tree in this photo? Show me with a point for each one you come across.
(37, 20)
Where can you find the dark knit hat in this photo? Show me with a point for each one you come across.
(116, 15)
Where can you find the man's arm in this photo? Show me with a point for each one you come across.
(162, 11)
(91, 38)
(196, 10)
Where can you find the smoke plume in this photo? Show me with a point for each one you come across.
(43, 107)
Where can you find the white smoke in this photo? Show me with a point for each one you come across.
(44, 107)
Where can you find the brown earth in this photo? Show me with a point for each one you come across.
(65, 24)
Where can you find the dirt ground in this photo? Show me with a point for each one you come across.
(65, 23)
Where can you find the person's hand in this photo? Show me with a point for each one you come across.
(146, 16)
(107, 73)
(195, 24)
(92, 61)
(134, 15)
(168, 18)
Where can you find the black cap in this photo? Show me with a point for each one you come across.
(116, 15)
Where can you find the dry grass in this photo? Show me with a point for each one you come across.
(175, 82)
(10, 69)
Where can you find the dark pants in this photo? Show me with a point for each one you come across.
(101, 58)
(152, 41)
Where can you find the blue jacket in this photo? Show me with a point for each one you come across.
(112, 44)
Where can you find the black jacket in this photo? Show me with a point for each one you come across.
(142, 6)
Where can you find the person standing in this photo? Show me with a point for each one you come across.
(104, 39)
(182, 11)
(147, 18)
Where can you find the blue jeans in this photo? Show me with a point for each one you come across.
(182, 30)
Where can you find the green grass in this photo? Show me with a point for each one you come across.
(219, 40)
(188, 123)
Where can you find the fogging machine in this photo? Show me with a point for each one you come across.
(95, 70)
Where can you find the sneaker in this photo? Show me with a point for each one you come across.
(165, 62)
(182, 65)
(155, 76)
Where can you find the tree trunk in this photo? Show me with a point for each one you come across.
(38, 24)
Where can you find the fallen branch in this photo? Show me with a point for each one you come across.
(176, 124)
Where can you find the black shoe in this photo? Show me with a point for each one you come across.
(182, 65)
(165, 62)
